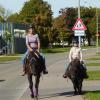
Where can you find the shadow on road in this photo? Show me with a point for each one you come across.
(2, 80)
(67, 94)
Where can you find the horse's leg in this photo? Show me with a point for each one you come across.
(37, 80)
(80, 86)
(74, 85)
(31, 84)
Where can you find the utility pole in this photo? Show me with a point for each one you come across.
(12, 39)
(78, 8)
(79, 37)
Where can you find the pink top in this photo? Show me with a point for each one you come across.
(32, 40)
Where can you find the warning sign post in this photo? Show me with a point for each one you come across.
(79, 29)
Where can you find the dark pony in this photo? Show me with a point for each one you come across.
(76, 76)
(34, 66)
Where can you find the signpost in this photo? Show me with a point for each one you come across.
(79, 29)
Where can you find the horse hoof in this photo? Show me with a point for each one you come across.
(32, 95)
(80, 93)
(36, 98)
(75, 93)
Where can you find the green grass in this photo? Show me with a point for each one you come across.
(98, 54)
(94, 75)
(93, 58)
(93, 64)
(8, 58)
(56, 50)
(60, 50)
(92, 95)
(13, 54)
(87, 47)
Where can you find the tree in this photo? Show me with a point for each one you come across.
(4, 14)
(64, 24)
(67, 19)
(88, 15)
(38, 13)
(13, 18)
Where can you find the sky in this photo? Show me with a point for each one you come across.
(56, 5)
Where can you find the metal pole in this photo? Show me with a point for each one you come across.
(12, 40)
(78, 8)
(79, 37)
(97, 28)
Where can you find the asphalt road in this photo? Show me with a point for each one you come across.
(13, 86)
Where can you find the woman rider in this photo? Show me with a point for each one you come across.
(76, 53)
(33, 44)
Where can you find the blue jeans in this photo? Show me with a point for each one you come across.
(24, 56)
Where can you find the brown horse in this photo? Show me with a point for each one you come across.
(76, 75)
(34, 66)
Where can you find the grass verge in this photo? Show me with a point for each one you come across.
(8, 58)
(94, 95)
(93, 64)
(55, 50)
(93, 59)
(94, 75)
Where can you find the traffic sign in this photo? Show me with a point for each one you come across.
(79, 33)
(79, 25)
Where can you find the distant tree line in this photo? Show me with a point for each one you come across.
(50, 30)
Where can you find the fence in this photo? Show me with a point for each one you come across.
(12, 35)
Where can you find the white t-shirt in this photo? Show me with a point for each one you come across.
(75, 52)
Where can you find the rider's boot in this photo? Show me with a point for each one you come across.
(65, 75)
(66, 72)
(85, 74)
(45, 70)
(84, 71)
(24, 70)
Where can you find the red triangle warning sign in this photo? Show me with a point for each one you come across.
(79, 25)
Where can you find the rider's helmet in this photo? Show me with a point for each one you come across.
(75, 43)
